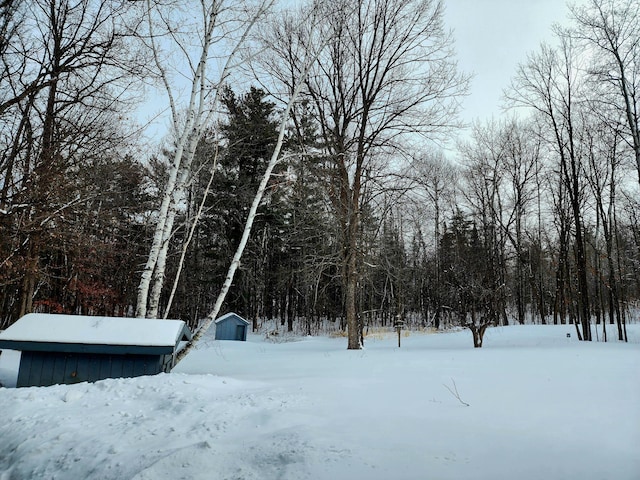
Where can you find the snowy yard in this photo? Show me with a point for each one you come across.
(542, 406)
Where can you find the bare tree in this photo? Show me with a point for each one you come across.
(436, 177)
(550, 83)
(611, 29)
(217, 18)
(484, 191)
(66, 73)
(307, 63)
(504, 162)
(604, 177)
(388, 72)
(19, 78)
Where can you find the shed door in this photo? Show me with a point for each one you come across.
(240, 332)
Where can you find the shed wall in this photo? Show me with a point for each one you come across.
(50, 368)
(231, 328)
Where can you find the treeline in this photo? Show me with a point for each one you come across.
(533, 218)
(73, 194)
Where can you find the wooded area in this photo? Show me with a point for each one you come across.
(365, 218)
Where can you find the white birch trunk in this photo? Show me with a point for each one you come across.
(158, 237)
(159, 271)
(189, 129)
(235, 263)
(192, 230)
(198, 116)
(243, 241)
(178, 196)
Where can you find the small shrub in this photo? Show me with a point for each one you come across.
(338, 334)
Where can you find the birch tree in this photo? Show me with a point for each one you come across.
(219, 25)
(315, 14)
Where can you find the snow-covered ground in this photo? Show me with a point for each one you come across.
(542, 406)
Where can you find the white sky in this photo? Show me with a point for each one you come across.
(492, 38)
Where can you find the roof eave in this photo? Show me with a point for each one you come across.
(30, 346)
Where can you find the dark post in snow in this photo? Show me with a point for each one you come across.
(398, 324)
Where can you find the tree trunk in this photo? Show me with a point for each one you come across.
(478, 332)
(159, 233)
(31, 276)
(198, 112)
(159, 270)
(290, 306)
(583, 285)
(235, 263)
(351, 283)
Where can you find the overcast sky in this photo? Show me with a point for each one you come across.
(492, 38)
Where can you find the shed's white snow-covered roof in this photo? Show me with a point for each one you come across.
(231, 314)
(54, 328)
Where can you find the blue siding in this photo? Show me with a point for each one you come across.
(231, 327)
(59, 369)
(241, 333)
(51, 368)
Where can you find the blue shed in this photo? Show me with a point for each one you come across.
(73, 348)
(231, 327)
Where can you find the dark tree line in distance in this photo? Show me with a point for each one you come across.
(534, 218)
